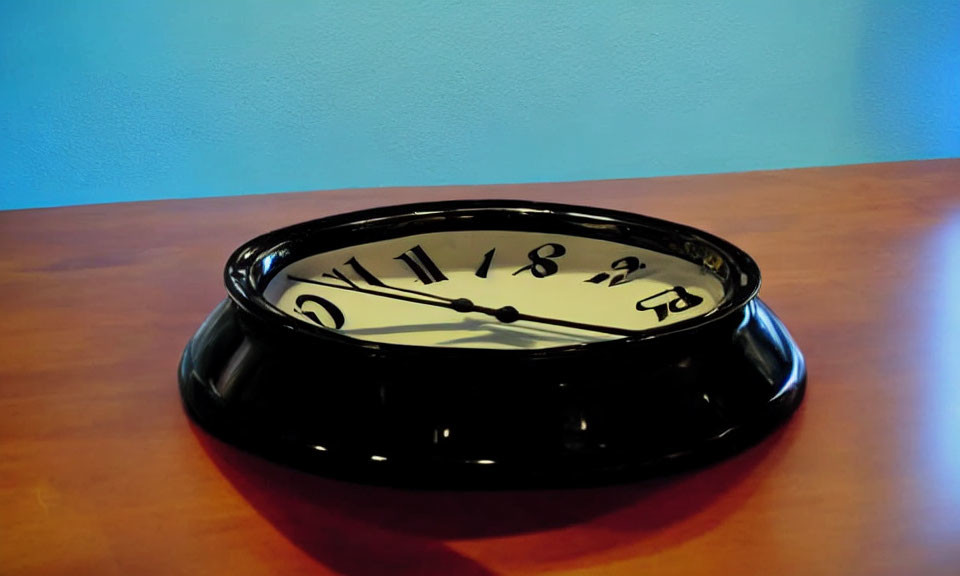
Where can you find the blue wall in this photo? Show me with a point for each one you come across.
(128, 100)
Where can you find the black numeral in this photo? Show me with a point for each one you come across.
(681, 301)
(333, 314)
(362, 272)
(541, 265)
(629, 264)
(485, 265)
(422, 265)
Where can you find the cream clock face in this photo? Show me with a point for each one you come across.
(493, 289)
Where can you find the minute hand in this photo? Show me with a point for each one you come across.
(505, 314)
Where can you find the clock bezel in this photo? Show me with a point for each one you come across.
(250, 268)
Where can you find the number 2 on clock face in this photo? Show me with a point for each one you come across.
(629, 264)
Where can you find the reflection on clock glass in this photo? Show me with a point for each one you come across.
(493, 289)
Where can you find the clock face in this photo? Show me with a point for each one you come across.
(497, 289)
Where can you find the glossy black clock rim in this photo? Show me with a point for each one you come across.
(251, 267)
(755, 376)
(587, 414)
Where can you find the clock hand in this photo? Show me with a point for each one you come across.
(355, 288)
(340, 276)
(505, 314)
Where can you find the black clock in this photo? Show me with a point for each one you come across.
(491, 343)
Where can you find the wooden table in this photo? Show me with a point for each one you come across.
(101, 471)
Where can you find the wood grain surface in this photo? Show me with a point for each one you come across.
(102, 472)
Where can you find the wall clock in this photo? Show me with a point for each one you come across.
(491, 343)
